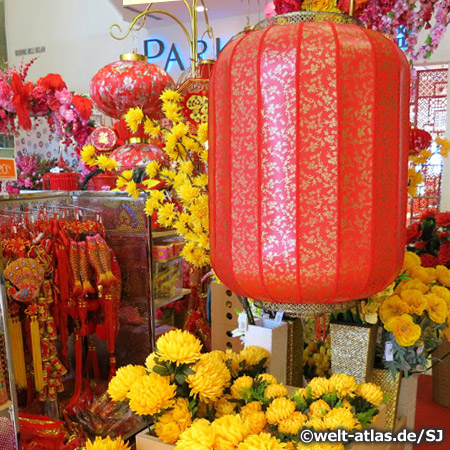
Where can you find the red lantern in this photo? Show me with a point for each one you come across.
(308, 163)
(137, 154)
(129, 83)
(418, 140)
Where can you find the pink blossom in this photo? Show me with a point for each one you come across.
(67, 113)
(10, 189)
(64, 96)
(287, 6)
(269, 10)
(28, 184)
(6, 96)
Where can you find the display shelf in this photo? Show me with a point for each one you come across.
(163, 233)
(6, 405)
(161, 302)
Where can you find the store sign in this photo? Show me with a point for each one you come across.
(8, 170)
(171, 56)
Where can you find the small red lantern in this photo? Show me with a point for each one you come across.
(129, 83)
(104, 139)
(308, 162)
(418, 140)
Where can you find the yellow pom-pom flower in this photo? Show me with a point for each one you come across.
(443, 275)
(240, 385)
(199, 436)
(132, 189)
(281, 408)
(318, 408)
(262, 441)
(411, 260)
(171, 424)
(87, 155)
(202, 132)
(371, 392)
(229, 431)
(150, 361)
(267, 377)
(209, 379)
(293, 423)
(275, 391)
(443, 293)
(256, 421)
(134, 118)
(169, 95)
(345, 385)
(152, 168)
(319, 386)
(151, 394)
(250, 408)
(254, 354)
(179, 346)
(106, 444)
(224, 407)
(125, 377)
(339, 418)
(405, 331)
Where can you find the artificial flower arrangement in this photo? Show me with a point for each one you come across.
(224, 401)
(386, 16)
(417, 159)
(430, 239)
(317, 358)
(414, 312)
(67, 113)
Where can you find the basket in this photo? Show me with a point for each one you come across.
(64, 181)
(104, 182)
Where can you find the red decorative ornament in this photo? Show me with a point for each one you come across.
(418, 140)
(308, 163)
(104, 139)
(137, 154)
(129, 83)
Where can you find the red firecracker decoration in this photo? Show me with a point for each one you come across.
(418, 140)
(129, 83)
(308, 163)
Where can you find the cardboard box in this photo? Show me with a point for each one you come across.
(146, 442)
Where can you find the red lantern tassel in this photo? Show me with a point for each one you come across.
(64, 273)
(92, 359)
(82, 310)
(78, 373)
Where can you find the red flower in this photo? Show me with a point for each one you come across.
(444, 254)
(21, 100)
(443, 219)
(427, 214)
(52, 82)
(359, 6)
(287, 6)
(83, 105)
(428, 260)
(413, 233)
(443, 235)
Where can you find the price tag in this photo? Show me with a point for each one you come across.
(243, 322)
(8, 170)
(389, 351)
(279, 317)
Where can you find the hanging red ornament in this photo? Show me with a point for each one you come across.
(129, 83)
(418, 140)
(136, 153)
(104, 139)
(308, 162)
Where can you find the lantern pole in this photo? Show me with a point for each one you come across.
(191, 37)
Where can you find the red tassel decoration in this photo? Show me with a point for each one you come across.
(78, 373)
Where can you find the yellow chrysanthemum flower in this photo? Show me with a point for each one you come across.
(106, 444)
(151, 205)
(280, 408)
(171, 424)
(405, 331)
(132, 189)
(250, 408)
(240, 385)
(371, 392)
(256, 421)
(444, 145)
(293, 423)
(319, 386)
(345, 385)
(179, 130)
(229, 431)
(316, 423)
(442, 292)
(186, 167)
(152, 128)
(267, 377)
(224, 408)
(301, 393)
(152, 168)
(199, 436)
(253, 354)
(187, 193)
(443, 275)
(321, 5)
(204, 155)
(202, 132)
(195, 255)
(87, 155)
(134, 118)
(209, 379)
(166, 214)
(339, 418)
(150, 362)
(262, 441)
(169, 95)
(411, 260)
(275, 390)
(151, 394)
(179, 346)
(201, 181)
(120, 384)
(319, 408)
(105, 163)
(173, 116)
(127, 175)
(415, 300)
(436, 307)
(393, 306)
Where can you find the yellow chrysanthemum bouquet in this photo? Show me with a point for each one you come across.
(106, 444)
(180, 384)
(414, 312)
(265, 416)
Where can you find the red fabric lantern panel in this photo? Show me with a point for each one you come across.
(129, 83)
(308, 163)
(139, 154)
(418, 140)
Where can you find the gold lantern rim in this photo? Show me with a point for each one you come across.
(306, 309)
(307, 16)
(132, 57)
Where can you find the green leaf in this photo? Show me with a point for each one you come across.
(180, 378)
(161, 370)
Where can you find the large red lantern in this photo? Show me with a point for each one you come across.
(308, 162)
(129, 83)
(418, 140)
